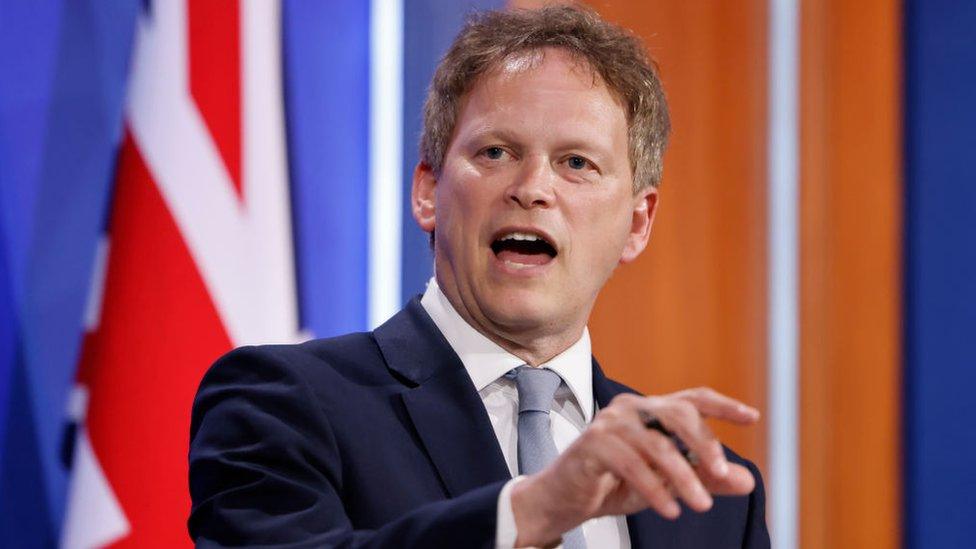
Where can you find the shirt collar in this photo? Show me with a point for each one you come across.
(486, 361)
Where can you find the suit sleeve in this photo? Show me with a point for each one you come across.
(756, 534)
(265, 470)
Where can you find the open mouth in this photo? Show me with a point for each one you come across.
(523, 249)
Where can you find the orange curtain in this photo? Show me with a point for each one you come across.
(850, 382)
(692, 310)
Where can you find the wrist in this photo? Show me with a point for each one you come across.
(536, 518)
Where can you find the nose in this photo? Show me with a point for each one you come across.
(533, 185)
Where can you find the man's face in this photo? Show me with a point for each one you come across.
(534, 206)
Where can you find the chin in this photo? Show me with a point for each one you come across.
(523, 308)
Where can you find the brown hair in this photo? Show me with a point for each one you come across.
(490, 38)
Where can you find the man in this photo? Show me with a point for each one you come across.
(541, 154)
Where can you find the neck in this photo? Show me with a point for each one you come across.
(535, 345)
(534, 351)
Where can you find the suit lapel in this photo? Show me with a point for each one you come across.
(453, 424)
(647, 528)
(442, 404)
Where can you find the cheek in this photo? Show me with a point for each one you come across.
(603, 233)
(456, 187)
(460, 210)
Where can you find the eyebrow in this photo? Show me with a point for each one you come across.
(511, 136)
(487, 131)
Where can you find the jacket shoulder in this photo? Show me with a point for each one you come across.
(353, 357)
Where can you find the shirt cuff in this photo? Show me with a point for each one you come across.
(505, 531)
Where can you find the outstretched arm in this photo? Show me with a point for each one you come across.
(265, 470)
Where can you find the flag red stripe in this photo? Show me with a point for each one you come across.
(159, 332)
(215, 75)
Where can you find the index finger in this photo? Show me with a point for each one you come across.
(711, 403)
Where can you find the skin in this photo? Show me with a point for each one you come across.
(514, 162)
(540, 145)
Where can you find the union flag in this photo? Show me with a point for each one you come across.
(196, 259)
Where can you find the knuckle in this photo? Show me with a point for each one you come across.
(591, 465)
(660, 490)
(654, 482)
(660, 444)
(607, 414)
(598, 429)
(685, 410)
(679, 411)
(685, 477)
(630, 467)
(621, 399)
(710, 453)
(706, 431)
(718, 449)
(619, 426)
(704, 391)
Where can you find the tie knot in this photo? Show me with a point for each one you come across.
(536, 388)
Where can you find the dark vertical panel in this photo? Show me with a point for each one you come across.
(326, 64)
(24, 513)
(940, 328)
(8, 335)
(429, 27)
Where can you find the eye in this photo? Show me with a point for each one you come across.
(493, 153)
(577, 162)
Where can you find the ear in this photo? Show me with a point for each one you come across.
(645, 206)
(422, 196)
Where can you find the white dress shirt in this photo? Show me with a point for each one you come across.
(573, 407)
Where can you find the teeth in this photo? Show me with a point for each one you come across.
(521, 236)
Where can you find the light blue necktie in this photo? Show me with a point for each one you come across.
(536, 449)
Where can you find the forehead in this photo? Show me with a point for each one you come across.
(545, 63)
(526, 60)
(550, 84)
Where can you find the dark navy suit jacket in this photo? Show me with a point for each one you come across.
(378, 440)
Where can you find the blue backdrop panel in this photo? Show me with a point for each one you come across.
(63, 67)
(27, 58)
(429, 27)
(8, 337)
(940, 337)
(326, 48)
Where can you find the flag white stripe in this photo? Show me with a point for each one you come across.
(385, 152)
(243, 251)
(94, 517)
(93, 307)
(265, 173)
(783, 316)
